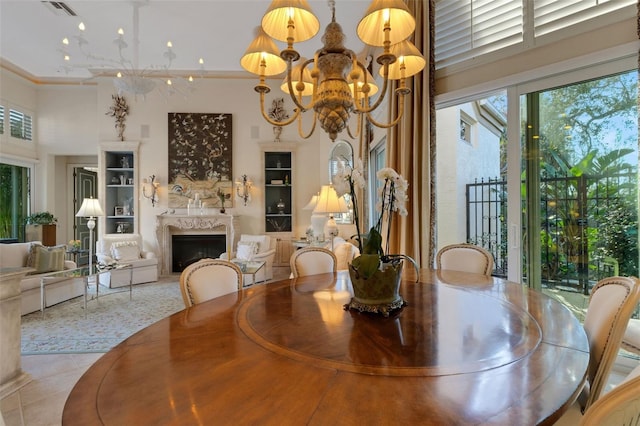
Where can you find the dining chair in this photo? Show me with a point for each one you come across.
(207, 279)
(619, 407)
(631, 338)
(611, 304)
(465, 258)
(311, 261)
(345, 253)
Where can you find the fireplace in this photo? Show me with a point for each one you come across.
(220, 229)
(187, 249)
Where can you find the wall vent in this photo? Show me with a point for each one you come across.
(59, 8)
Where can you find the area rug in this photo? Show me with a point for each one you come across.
(109, 320)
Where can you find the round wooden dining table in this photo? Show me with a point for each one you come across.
(466, 349)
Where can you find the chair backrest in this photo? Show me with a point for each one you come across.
(345, 252)
(311, 261)
(611, 304)
(207, 279)
(618, 407)
(465, 258)
(631, 338)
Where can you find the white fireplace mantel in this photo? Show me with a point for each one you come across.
(169, 225)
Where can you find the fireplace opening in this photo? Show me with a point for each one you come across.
(187, 249)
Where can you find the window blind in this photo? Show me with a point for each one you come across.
(20, 124)
(468, 28)
(1, 120)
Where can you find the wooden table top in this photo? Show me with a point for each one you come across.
(466, 349)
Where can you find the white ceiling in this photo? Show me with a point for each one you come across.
(219, 31)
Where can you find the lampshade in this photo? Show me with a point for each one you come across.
(276, 20)
(407, 53)
(373, 88)
(90, 208)
(263, 47)
(395, 13)
(295, 75)
(312, 203)
(329, 202)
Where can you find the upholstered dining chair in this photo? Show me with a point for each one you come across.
(312, 260)
(345, 253)
(618, 407)
(207, 279)
(631, 338)
(465, 258)
(611, 304)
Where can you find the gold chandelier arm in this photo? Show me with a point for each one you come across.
(298, 99)
(313, 127)
(385, 85)
(359, 128)
(394, 122)
(273, 122)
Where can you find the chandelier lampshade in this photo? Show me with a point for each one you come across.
(410, 61)
(381, 15)
(338, 83)
(290, 21)
(306, 80)
(263, 49)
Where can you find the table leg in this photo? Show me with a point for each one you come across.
(130, 283)
(42, 300)
(86, 285)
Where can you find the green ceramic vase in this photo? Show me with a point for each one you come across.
(380, 293)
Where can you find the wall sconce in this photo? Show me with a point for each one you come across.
(150, 189)
(243, 188)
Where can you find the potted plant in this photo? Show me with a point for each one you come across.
(375, 274)
(41, 226)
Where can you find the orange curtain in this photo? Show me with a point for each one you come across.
(411, 149)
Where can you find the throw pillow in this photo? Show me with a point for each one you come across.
(123, 251)
(262, 240)
(246, 250)
(46, 259)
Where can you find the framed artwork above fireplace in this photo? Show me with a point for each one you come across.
(200, 159)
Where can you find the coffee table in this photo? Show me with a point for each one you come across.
(85, 273)
(250, 267)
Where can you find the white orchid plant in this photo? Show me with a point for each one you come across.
(392, 197)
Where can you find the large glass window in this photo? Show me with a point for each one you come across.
(14, 201)
(471, 176)
(581, 146)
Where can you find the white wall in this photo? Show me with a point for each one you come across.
(72, 121)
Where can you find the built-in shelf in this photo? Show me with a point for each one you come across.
(119, 180)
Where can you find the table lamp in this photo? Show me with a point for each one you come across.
(328, 204)
(311, 232)
(90, 209)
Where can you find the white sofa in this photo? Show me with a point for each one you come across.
(265, 247)
(16, 255)
(126, 248)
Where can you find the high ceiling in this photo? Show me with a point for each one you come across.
(219, 31)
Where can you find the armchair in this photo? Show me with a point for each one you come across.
(257, 248)
(126, 248)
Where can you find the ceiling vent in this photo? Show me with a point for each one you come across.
(59, 8)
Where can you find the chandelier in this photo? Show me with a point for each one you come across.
(129, 77)
(337, 81)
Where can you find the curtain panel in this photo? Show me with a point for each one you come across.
(411, 149)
